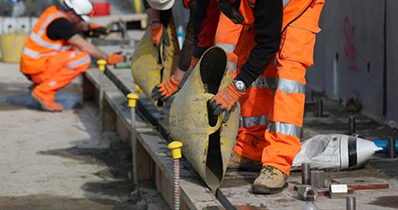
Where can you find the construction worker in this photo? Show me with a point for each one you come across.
(274, 50)
(159, 7)
(226, 37)
(54, 54)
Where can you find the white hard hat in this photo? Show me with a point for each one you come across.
(83, 8)
(161, 4)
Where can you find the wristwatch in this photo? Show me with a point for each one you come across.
(240, 85)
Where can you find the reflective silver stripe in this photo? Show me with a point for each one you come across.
(284, 128)
(226, 47)
(31, 53)
(48, 20)
(254, 120)
(289, 86)
(43, 43)
(79, 62)
(265, 82)
(285, 2)
(232, 65)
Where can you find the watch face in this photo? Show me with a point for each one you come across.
(240, 85)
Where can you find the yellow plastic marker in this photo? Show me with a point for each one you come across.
(138, 89)
(101, 64)
(175, 148)
(132, 99)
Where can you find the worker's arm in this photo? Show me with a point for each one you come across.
(267, 26)
(205, 25)
(85, 46)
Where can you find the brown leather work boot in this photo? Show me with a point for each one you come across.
(270, 181)
(239, 162)
(47, 105)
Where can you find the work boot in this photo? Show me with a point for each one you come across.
(239, 162)
(47, 105)
(270, 181)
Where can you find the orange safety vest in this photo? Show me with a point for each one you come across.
(292, 9)
(38, 47)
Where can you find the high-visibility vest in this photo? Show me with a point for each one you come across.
(292, 9)
(38, 46)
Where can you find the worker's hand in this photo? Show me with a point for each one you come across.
(115, 58)
(166, 89)
(225, 100)
(194, 61)
(156, 29)
(96, 30)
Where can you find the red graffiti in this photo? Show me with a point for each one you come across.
(349, 48)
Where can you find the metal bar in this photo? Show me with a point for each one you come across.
(350, 203)
(305, 173)
(391, 148)
(320, 108)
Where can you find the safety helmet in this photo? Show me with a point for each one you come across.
(83, 8)
(161, 4)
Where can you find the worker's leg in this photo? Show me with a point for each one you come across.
(61, 70)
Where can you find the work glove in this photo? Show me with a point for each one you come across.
(96, 30)
(223, 101)
(194, 61)
(115, 58)
(166, 89)
(156, 29)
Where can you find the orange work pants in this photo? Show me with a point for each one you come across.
(227, 35)
(273, 108)
(60, 70)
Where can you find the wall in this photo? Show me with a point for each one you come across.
(350, 54)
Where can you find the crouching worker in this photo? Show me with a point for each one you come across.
(54, 54)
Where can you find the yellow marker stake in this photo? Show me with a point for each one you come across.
(138, 89)
(175, 148)
(132, 97)
(101, 64)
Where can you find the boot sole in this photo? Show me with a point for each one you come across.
(261, 189)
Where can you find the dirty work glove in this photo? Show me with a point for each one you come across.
(194, 61)
(115, 58)
(97, 30)
(225, 100)
(166, 89)
(156, 29)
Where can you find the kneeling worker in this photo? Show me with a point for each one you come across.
(54, 54)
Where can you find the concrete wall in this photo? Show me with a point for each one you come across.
(350, 54)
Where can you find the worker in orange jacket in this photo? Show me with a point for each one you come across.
(54, 54)
(274, 50)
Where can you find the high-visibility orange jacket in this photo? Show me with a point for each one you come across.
(38, 47)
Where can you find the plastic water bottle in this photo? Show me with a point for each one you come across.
(180, 35)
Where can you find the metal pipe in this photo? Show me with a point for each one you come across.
(133, 138)
(350, 203)
(391, 148)
(351, 125)
(305, 173)
(318, 178)
(320, 108)
(175, 148)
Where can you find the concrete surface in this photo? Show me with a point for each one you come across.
(60, 160)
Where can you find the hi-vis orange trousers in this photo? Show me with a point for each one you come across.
(273, 108)
(60, 70)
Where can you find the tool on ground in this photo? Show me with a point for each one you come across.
(307, 193)
(208, 142)
(335, 151)
(175, 148)
(132, 97)
(337, 191)
(101, 66)
(305, 173)
(351, 125)
(391, 148)
(319, 107)
(351, 203)
(318, 178)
